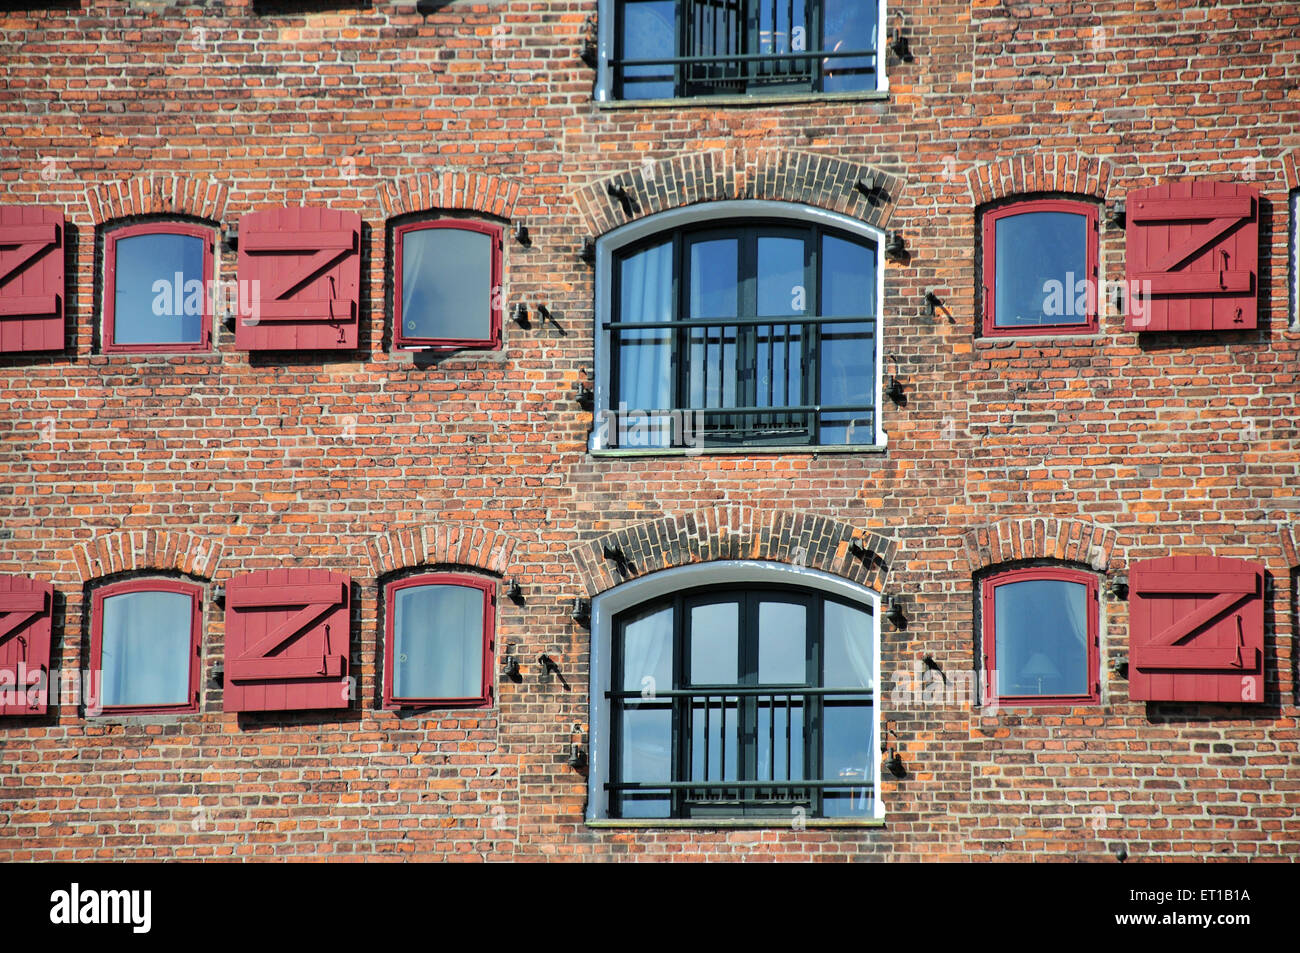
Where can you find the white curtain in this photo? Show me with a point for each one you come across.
(438, 642)
(146, 650)
(645, 357)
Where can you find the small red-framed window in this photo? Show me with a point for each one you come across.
(157, 288)
(447, 284)
(144, 647)
(438, 641)
(1040, 637)
(1040, 268)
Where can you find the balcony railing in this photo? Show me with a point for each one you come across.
(749, 379)
(775, 739)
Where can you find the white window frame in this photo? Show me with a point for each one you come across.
(1294, 260)
(737, 212)
(606, 43)
(739, 572)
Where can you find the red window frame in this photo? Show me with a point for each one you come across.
(496, 234)
(111, 239)
(1074, 207)
(97, 640)
(989, 618)
(488, 588)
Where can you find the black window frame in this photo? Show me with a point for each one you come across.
(741, 74)
(727, 800)
(748, 232)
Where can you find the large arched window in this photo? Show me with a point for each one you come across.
(745, 699)
(722, 331)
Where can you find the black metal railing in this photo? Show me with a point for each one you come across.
(720, 377)
(740, 46)
(779, 774)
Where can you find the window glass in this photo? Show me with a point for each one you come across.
(850, 28)
(159, 295)
(715, 633)
(1041, 257)
(648, 718)
(649, 29)
(146, 649)
(848, 351)
(782, 643)
(645, 357)
(438, 642)
(446, 284)
(1042, 637)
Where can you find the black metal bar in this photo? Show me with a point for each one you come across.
(706, 323)
(742, 691)
(822, 783)
(746, 57)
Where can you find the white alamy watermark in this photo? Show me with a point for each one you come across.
(634, 428)
(1080, 296)
(177, 297)
(77, 906)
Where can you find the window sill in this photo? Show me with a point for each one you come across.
(813, 450)
(743, 101)
(765, 823)
(1046, 339)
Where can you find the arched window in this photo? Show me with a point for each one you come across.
(447, 284)
(1040, 268)
(1040, 641)
(144, 646)
(438, 641)
(739, 700)
(724, 331)
(158, 288)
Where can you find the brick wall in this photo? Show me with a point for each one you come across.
(1095, 451)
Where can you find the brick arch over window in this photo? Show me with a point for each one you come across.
(1289, 536)
(729, 533)
(468, 191)
(1076, 541)
(1039, 172)
(441, 544)
(195, 196)
(726, 174)
(128, 551)
(1291, 168)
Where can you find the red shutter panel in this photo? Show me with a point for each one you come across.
(1195, 245)
(31, 278)
(287, 640)
(307, 262)
(1196, 630)
(25, 610)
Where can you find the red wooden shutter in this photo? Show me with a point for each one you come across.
(25, 610)
(1196, 630)
(1197, 245)
(308, 264)
(287, 640)
(31, 278)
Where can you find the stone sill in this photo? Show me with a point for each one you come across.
(744, 102)
(699, 823)
(736, 451)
